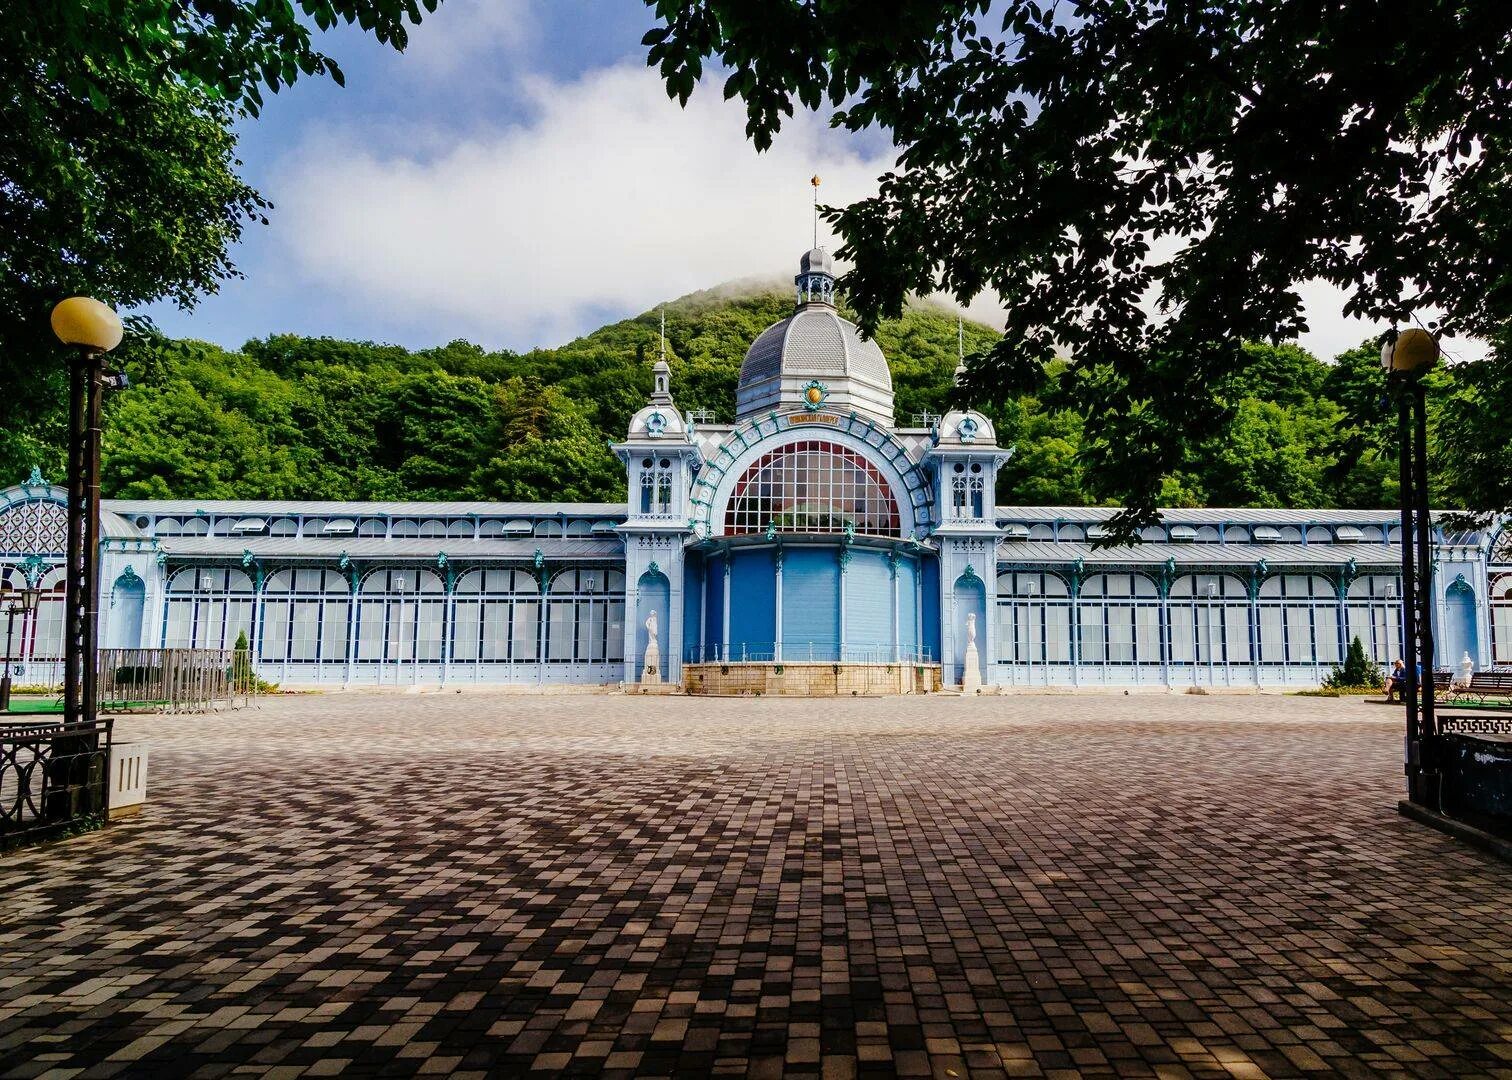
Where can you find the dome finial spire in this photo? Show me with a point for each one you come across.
(661, 371)
(814, 180)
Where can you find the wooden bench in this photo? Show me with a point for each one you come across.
(1485, 688)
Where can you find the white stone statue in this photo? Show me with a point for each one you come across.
(651, 671)
(1466, 671)
(971, 678)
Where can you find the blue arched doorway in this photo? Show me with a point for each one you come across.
(653, 592)
(1460, 635)
(970, 598)
(128, 602)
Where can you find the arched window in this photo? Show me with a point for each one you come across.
(1299, 620)
(498, 617)
(968, 488)
(1501, 619)
(812, 486)
(38, 635)
(585, 616)
(1120, 620)
(207, 607)
(1034, 621)
(656, 485)
(400, 615)
(1209, 620)
(1374, 613)
(304, 616)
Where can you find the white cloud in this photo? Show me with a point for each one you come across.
(466, 33)
(611, 198)
(607, 200)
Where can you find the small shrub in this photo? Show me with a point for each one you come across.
(1357, 672)
(243, 679)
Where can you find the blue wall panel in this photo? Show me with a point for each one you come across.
(908, 606)
(753, 605)
(811, 603)
(931, 601)
(714, 609)
(868, 607)
(693, 594)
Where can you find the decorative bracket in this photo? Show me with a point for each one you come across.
(32, 568)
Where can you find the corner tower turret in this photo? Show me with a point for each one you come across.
(660, 461)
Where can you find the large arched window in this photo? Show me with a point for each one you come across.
(400, 616)
(1034, 620)
(304, 616)
(498, 616)
(1120, 619)
(1299, 620)
(1501, 619)
(1209, 620)
(1374, 611)
(207, 608)
(585, 618)
(812, 486)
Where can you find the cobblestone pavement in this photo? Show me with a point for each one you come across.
(487, 885)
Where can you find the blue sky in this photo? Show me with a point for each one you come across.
(518, 177)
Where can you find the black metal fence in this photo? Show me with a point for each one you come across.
(53, 778)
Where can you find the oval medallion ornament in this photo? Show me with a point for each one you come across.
(814, 394)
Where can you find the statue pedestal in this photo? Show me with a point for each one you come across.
(971, 679)
(651, 672)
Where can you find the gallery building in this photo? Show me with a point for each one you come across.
(814, 534)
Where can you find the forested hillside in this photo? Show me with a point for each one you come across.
(293, 417)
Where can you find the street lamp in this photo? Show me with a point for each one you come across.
(1406, 357)
(91, 329)
(21, 603)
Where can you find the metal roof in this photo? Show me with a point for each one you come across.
(297, 507)
(361, 547)
(1205, 515)
(1151, 553)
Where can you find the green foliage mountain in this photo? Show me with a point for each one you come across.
(295, 417)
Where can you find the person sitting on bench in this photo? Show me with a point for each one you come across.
(1396, 681)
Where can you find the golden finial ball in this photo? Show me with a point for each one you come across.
(814, 179)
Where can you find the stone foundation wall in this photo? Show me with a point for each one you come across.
(811, 679)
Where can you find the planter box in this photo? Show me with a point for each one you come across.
(128, 779)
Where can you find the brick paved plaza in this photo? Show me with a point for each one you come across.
(1033, 885)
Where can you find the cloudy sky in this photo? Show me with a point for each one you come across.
(519, 177)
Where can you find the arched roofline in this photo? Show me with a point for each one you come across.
(17, 494)
(752, 438)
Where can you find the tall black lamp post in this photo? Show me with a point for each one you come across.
(1407, 357)
(91, 329)
(20, 603)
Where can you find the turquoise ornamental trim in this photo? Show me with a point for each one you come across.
(815, 394)
(34, 566)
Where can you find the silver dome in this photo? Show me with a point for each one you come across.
(815, 344)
